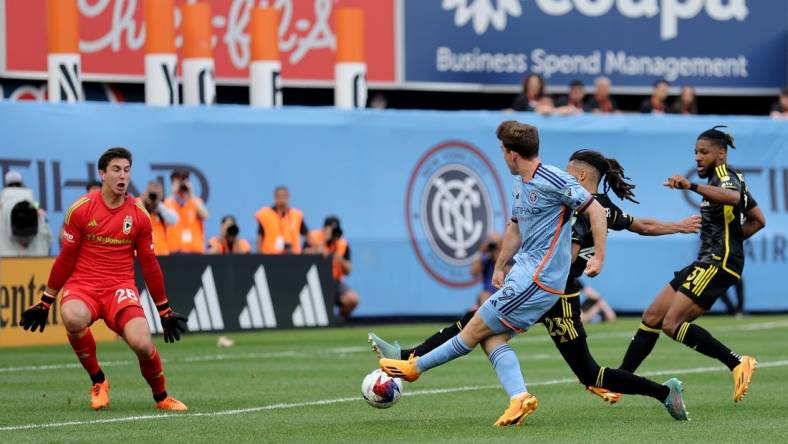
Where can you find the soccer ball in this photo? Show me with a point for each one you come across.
(381, 390)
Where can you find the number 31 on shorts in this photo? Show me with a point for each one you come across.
(125, 293)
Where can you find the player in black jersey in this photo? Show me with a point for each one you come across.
(725, 223)
(563, 319)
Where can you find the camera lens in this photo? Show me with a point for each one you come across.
(184, 188)
(153, 196)
(232, 230)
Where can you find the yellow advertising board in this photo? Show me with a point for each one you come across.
(21, 282)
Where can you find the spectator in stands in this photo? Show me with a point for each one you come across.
(330, 243)
(780, 107)
(23, 227)
(657, 103)
(93, 186)
(686, 102)
(161, 217)
(378, 101)
(228, 241)
(532, 98)
(483, 266)
(601, 102)
(594, 307)
(279, 227)
(188, 234)
(573, 103)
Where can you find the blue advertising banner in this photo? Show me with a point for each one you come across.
(417, 192)
(717, 46)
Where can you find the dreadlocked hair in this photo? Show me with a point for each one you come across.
(717, 137)
(611, 173)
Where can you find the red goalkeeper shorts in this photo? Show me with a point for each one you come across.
(107, 304)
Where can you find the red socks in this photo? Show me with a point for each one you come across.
(85, 349)
(152, 371)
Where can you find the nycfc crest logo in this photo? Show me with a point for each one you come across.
(454, 201)
(127, 225)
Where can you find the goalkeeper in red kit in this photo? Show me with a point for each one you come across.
(101, 233)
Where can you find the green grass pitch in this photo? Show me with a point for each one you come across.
(304, 386)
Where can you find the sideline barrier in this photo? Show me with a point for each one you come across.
(245, 292)
(218, 293)
(387, 175)
(22, 280)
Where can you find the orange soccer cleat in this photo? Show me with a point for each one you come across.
(605, 394)
(171, 404)
(396, 368)
(742, 375)
(519, 408)
(99, 395)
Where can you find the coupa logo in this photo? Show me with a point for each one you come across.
(453, 202)
(482, 13)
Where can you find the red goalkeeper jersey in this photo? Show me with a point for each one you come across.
(99, 245)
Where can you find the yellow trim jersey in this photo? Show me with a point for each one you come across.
(721, 225)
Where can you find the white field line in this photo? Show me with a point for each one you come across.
(282, 406)
(346, 350)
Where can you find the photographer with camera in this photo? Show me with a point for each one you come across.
(329, 242)
(161, 217)
(188, 234)
(482, 267)
(23, 227)
(280, 227)
(228, 241)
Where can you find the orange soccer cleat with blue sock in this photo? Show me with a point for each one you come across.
(519, 408)
(396, 368)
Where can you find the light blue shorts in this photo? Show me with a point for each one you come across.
(517, 305)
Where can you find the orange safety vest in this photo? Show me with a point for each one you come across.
(160, 247)
(159, 231)
(280, 230)
(188, 235)
(339, 247)
(241, 245)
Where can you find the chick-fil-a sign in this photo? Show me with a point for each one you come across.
(112, 38)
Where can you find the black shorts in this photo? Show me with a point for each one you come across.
(563, 322)
(703, 283)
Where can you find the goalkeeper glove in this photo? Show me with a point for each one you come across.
(36, 316)
(172, 323)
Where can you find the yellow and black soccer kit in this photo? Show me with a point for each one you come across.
(718, 266)
(721, 258)
(563, 319)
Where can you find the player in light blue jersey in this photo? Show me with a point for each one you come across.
(539, 239)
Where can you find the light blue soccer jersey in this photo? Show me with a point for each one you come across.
(543, 209)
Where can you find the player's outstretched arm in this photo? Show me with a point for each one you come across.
(598, 219)
(509, 245)
(712, 193)
(754, 222)
(653, 227)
